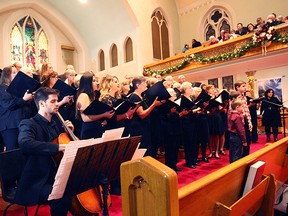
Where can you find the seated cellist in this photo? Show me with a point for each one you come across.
(35, 140)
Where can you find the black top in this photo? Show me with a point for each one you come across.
(35, 140)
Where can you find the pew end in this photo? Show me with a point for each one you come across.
(148, 188)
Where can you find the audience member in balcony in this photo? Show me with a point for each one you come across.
(271, 21)
(221, 34)
(195, 43)
(181, 79)
(233, 34)
(241, 30)
(280, 19)
(185, 48)
(251, 28)
(259, 23)
(226, 36)
(212, 40)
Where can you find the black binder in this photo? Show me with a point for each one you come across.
(202, 97)
(21, 84)
(185, 103)
(157, 90)
(97, 108)
(64, 88)
(122, 106)
(167, 106)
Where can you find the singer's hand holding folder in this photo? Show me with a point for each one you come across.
(64, 88)
(123, 106)
(21, 84)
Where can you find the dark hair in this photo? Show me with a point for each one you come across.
(85, 85)
(6, 75)
(137, 80)
(238, 84)
(267, 91)
(43, 93)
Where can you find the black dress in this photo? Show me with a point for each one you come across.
(271, 112)
(141, 127)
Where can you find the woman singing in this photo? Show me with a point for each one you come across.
(11, 110)
(92, 125)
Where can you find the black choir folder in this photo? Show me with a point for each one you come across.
(21, 84)
(64, 88)
(185, 103)
(98, 107)
(202, 98)
(254, 176)
(157, 90)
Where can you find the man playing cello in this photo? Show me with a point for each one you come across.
(35, 140)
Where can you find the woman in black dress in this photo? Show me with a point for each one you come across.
(270, 111)
(140, 124)
(92, 125)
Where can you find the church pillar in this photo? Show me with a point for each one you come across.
(251, 80)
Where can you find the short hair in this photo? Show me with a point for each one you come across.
(185, 86)
(238, 83)
(233, 94)
(138, 80)
(43, 93)
(236, 103)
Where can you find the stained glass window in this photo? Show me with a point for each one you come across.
(29, 43)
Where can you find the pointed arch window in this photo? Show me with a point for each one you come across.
(114, 56)
(28, 43)
(217, 20)
(160, 36)
(128, 50)
(101, 60)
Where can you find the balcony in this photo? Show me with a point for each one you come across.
(227, 58)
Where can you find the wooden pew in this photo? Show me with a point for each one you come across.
(151, 188)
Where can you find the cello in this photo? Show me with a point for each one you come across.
(89, 202)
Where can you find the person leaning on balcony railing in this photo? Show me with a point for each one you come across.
(251, 28)
(212, 40)
(195, 43)
(226, 36)
(241, 30)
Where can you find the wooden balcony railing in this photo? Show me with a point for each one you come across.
(240, 47)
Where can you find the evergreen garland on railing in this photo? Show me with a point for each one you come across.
(197, 57)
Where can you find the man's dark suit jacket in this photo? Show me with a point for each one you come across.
(35, 140)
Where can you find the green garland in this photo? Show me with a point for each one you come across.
(282, 38)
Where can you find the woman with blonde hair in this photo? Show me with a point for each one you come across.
(110, 94)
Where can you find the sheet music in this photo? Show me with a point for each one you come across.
(66, 164)
(139, 153)
(112, 134)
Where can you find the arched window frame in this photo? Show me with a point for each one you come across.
(101, 60)
(128, 50)
(160, 42)
(217, 26)
(114, 62)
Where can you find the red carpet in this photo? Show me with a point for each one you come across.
(185, 177)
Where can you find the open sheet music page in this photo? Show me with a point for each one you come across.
(66, 164)
(112, 134)
(139, 153)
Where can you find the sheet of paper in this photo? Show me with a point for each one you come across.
(66, 164)
(112, 134)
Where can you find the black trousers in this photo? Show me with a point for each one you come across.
(58, 207)
(235, 147)
(246, 149)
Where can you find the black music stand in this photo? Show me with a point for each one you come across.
(98, 165)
